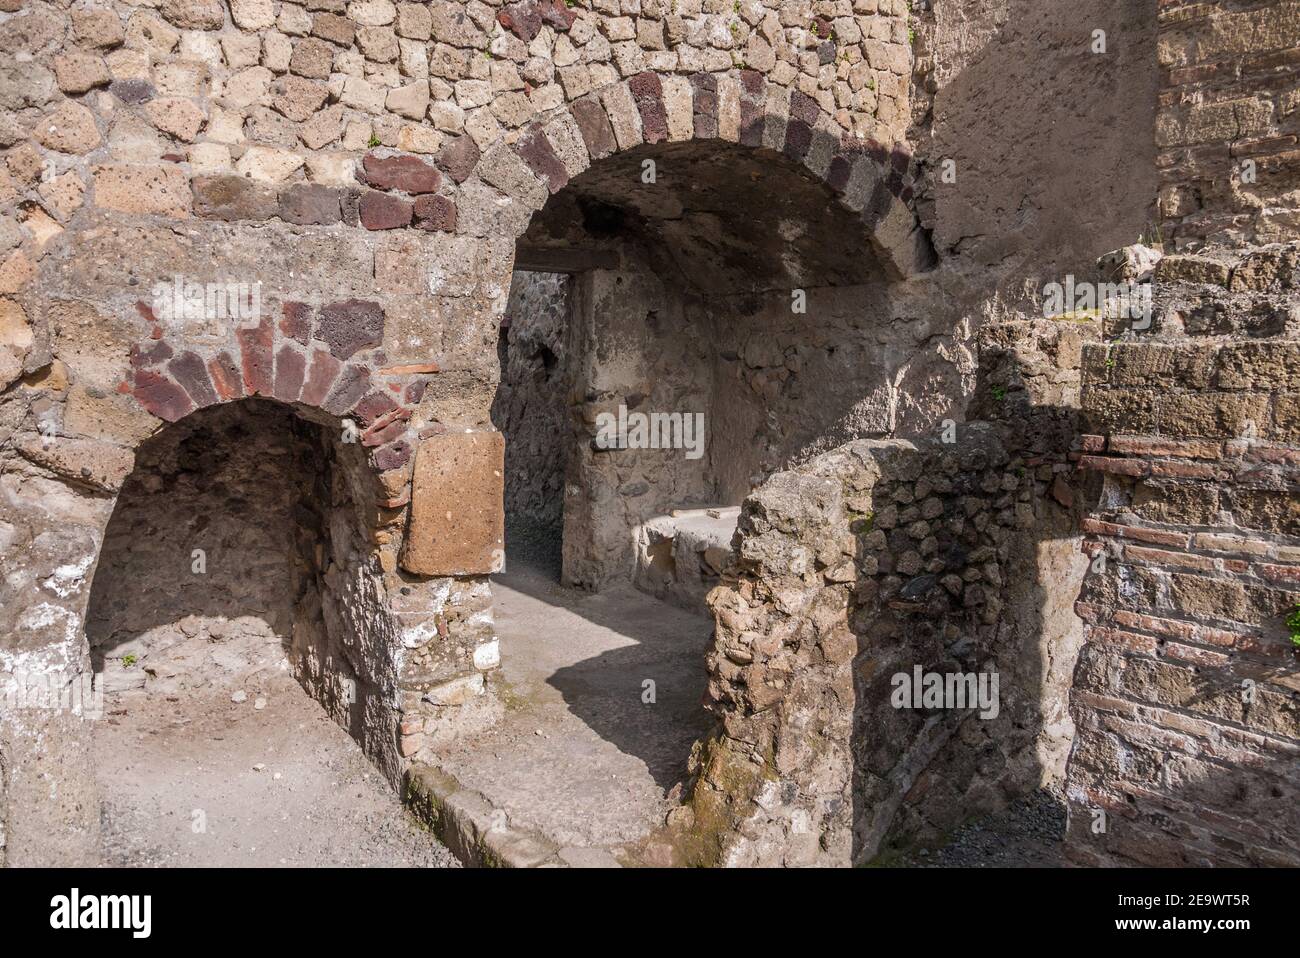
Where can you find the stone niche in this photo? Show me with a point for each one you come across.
(238, 544)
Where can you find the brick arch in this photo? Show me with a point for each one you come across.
(326, 357)
(867, 177)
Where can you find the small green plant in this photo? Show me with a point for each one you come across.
(130, 659)
(911, 36)
(1152, 236)
(865, 522)
(373, 141)
(999, 393)
(1293, 623)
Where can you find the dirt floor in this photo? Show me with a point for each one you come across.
(195, 779)
(1029, 834)
(582, 757)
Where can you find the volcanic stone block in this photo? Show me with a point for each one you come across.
(593, 123)
(459, 157)
(435, 213)
(350, 325)
(310, 204)
(380, 211)
(537, 152)
(335, 29)
(230, 198)
(647, 91)
(352, 383)
(457, 524)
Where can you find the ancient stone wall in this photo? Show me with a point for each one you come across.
(1228, 122)
(531, 409)
(354, 181)
(1186, 695)
(867, 562)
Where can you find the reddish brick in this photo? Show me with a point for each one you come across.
(435, 213)
(373, 406)
(1087, 611)
(1128, 640)
(1156, 446)
(407, 173)
(324, 369)
(290, 368)
(352, 383)
(1161, 557)
(190, 372)
(380, 211)
(151, 355)
(1098, 528)
(225, 376)
(255, 344)
(1150, 623)
(1227, 543)
(1188, 653)
(410, 369)
(296, 322)
(1092, 443)
(379, 435)
(1163, 468)
(1121, 467)
(1280, 573)
(392, 456)
(1160, 537)
(415, 392)
(1278, 455)
(160, 396)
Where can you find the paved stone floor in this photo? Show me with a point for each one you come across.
(581, 757)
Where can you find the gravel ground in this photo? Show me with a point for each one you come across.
(198, 780)
(1027, 835)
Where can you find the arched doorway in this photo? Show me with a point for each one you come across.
(684, 282)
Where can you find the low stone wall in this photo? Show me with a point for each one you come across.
(1186, 697)
(869, 562)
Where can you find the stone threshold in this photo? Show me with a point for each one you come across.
(464, 820)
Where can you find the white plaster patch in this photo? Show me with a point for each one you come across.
(67, 579)
(488, 655)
